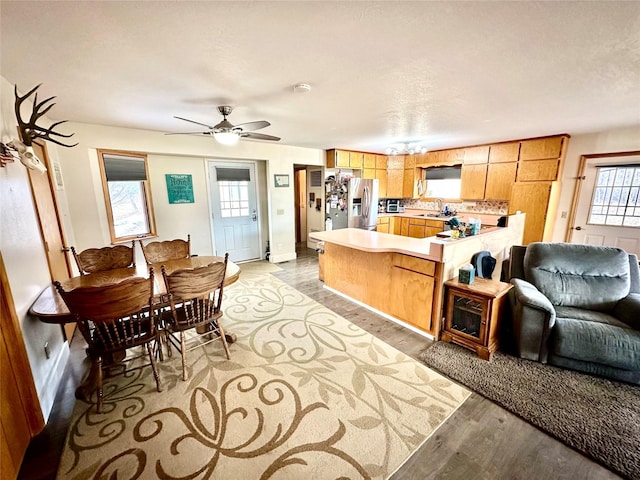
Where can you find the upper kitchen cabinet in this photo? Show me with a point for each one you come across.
(347, 159)
(501, 171)
(504, 152)
(473, 179)
(338, 159)
(476, 155)
(381, 175)
(541, 159)
(542, 148)
(356, 160)
(368, 160)
(381, 162)
(395, 179)
(500, 180)
(395, 162)
(454, 156)
(375, 166)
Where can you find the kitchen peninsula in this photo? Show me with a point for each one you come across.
(403, 277)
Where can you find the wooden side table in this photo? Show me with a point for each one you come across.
(473, 314)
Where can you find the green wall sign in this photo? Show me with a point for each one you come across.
(179, 188)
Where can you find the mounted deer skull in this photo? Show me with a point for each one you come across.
(27, 156)
(29, 130)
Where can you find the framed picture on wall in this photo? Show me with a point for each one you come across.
(281, 180)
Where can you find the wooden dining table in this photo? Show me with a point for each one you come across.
(49, 307)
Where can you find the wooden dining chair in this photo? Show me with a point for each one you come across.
(106, 258)
(115, 318)
(195, 300)
(155, 252)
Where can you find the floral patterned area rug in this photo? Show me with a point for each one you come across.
(306, 394)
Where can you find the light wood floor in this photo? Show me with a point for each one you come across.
(480, 440)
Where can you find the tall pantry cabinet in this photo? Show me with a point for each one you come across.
(536, 190)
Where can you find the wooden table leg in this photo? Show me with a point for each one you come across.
(89, 382)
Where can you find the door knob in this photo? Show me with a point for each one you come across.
(578, 228)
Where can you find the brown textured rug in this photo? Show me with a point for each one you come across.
(598, 417)
(306, 394)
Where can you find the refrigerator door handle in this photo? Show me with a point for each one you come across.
(367, 203)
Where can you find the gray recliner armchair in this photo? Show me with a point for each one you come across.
(578, 307)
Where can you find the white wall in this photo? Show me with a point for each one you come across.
(177, 154)
(618, 140)
(25, 261)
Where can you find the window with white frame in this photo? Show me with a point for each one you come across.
(616, 198)
(127, 195)
(233, 184)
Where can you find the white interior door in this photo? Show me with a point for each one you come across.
(608, 205)
(234, 210)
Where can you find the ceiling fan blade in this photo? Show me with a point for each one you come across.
(259, 136)
(193, 121)
(249, 126)
(188, 133)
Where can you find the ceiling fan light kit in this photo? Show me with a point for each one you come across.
(227, 133)
(226, 138)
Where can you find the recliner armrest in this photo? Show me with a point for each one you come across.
(530, 296)
(628, 310)
(533, 318)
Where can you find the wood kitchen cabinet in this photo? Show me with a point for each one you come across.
(533, 198)
(356, 160)
(538, 170)
(473, 179)
(476, 155)
(416, 228)
(542, 148)
(500, 180)
(395, 162)
(413, 278)
(409, 185)
(382, 224)
(337, 159)
(395, 179)
(369, 173)
(403, 226)
(368, 160)
(541, 159)
(375, 167)
(504, 152)
(347, 159)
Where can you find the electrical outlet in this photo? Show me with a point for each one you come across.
(563, 215)
(47, 351)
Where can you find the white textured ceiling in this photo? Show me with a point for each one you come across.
(440, 73)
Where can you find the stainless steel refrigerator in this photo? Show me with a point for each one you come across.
(361, 207)
(362, 203)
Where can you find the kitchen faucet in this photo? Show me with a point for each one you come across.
(439, 204)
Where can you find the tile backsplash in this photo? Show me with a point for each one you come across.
(494, 207)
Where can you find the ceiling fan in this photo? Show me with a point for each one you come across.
(228, 134)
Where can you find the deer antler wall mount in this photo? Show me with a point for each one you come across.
(30, 130)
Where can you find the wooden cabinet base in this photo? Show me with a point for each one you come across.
(486, 353)
(474, 313)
